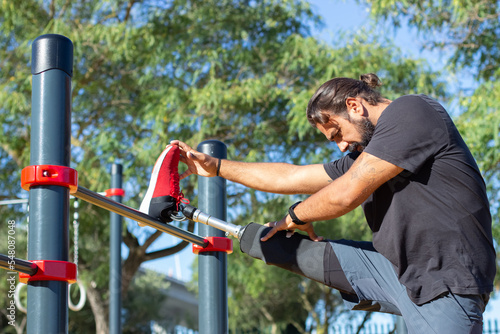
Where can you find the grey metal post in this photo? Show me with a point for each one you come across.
(115, 258)
(212, 266)
(52, 68)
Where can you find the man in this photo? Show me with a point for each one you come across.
(432, 259)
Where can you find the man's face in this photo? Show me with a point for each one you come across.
(353, 133)
(366, 128)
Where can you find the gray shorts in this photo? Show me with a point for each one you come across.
(377, 287)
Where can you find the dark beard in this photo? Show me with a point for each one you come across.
(365, 128)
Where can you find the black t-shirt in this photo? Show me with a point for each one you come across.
(432, 221)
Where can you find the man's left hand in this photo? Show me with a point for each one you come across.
(286, 224)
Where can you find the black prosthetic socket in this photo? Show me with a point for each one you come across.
(298, 254)
(162, 208)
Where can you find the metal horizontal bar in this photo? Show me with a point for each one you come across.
(25, 200)
(125, 211)
(14, 201)
(199, 216)
(21, 266)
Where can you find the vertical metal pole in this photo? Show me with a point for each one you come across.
(115, 258)
(52, 68)
(212, 266)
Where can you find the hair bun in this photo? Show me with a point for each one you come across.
(371, 79)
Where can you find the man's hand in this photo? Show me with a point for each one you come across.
(198, 163)
(286, 224)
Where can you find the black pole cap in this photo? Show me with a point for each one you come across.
(52, 51)
(214, 148)
(116, 169)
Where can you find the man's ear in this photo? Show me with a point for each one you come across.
(354, 106)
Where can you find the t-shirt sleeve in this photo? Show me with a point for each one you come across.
(408, 133)
(338, 167)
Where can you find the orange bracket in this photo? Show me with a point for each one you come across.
(215, 244)
(115, 192)
(50, 270)
(54, 175)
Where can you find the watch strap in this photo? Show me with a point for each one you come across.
(295, 219)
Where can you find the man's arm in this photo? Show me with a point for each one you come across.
(279, 178)
(341, 196)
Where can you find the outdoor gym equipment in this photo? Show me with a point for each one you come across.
(50, 182)
(6, 260)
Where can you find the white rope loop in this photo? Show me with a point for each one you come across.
(83, 297)
(83, 291)
(17, 297)
(72, 307)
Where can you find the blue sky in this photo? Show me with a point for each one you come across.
(350, 16)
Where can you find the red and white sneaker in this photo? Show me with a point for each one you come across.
(164, 195)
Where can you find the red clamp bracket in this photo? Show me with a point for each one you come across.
(38, 175)
(115, 192)
(49, 270)
(215, 244)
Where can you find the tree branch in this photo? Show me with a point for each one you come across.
(129, 8)
(52, 9)
(166, 252)
(307, 305)
(64, 7)
(130, 240)
(298, 327)
(150, 240)
(367, 317)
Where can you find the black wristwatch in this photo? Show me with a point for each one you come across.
(295, 220)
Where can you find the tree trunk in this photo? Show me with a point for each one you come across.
(99, 310)
(20, 327)
(129, 269)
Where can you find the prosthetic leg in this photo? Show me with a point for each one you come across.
(299, 254)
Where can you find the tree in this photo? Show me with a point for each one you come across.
(149, 71)
(470, 28)
(466, 32)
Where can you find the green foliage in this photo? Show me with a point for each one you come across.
(142, 305)
(480, 125)
(271, 295)
(144, 301)
(82, 321)
(146, 72)
(469, 27)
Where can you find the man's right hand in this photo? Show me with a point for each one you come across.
(272, 177)
(198, 163)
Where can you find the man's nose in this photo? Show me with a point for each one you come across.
(343, 146)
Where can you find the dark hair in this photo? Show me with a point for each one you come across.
(331, 96)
